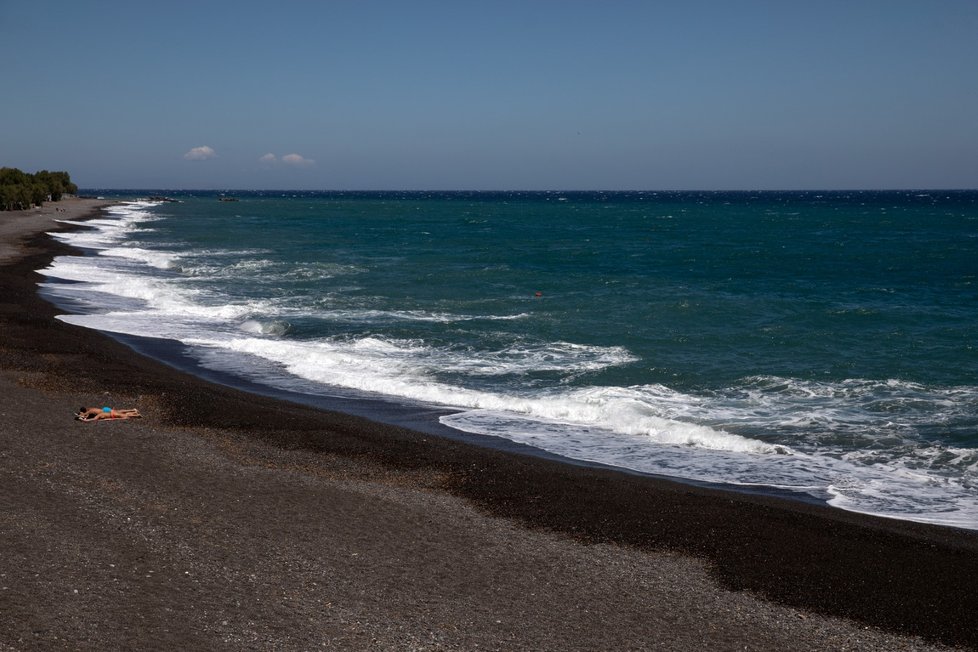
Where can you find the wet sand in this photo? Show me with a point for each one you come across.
(223, 520)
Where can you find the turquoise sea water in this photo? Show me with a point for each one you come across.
(821, 342)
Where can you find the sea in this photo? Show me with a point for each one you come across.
(823, 345)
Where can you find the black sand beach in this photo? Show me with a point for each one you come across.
(224, 520)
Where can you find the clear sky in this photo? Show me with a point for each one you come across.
(493, 94)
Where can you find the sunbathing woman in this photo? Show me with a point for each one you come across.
(95, 414)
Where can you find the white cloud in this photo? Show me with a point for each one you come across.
(297, 160)
(201, 153)
(294, 160)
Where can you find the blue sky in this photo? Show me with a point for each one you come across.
(480, 95)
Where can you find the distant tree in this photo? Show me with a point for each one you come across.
(7, 198)
(51, 184)
(15, 198)
(66, 183)
(39, 192)
(16, 189)
(19, 190)
(58, 183)
(12, 177)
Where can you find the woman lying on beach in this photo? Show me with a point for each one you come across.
(94, 414)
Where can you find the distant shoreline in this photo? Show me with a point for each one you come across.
(18, 226)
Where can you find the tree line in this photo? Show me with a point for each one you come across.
(22, 190)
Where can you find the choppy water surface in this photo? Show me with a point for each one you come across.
(819, 342)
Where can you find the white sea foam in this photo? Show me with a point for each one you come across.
(404, 369)
(106, 232)
(835, 412)
(887, 488)
(145, 293)
(265, 327)
(157, 259)
(534, 357)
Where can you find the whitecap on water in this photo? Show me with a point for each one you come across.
(276, 328)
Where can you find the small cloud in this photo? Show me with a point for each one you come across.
(297, 160)
(200, 153)
(293, 160)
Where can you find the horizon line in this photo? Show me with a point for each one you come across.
(512, 190)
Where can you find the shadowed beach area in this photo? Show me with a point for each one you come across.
(224, 521)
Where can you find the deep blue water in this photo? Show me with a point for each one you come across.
(823, 342)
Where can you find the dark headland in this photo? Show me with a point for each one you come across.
(224, 520)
